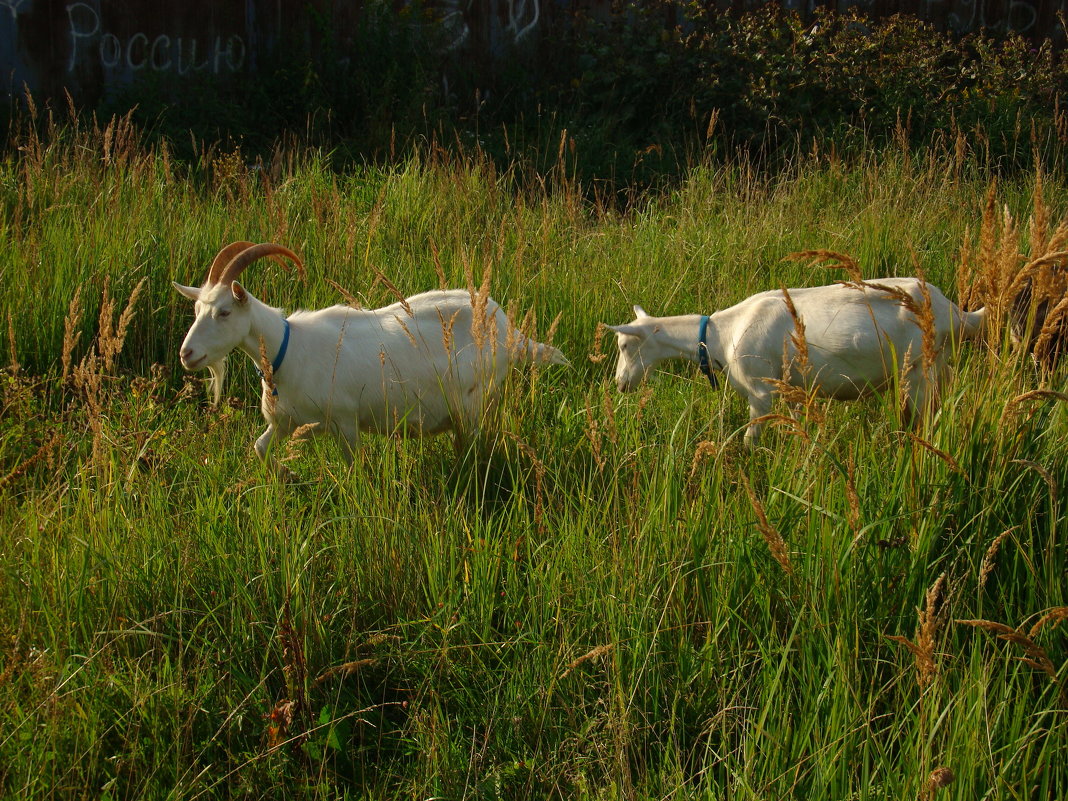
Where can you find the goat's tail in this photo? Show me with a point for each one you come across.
(529, 351)
(971, 323)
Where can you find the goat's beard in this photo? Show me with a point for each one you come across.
(215, 382)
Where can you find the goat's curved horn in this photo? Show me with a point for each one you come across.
(224, 257)
(249, 255)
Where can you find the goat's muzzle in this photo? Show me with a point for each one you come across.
(188, 362)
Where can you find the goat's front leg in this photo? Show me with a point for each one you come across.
(348, 437)
(759, 405)
(264, 442)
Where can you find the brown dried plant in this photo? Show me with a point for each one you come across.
(608, 411)
(381, 278)
(791, 425)
(840, 261)
(350, 299)
(45, 451)
(1012, 407)
(597, 354)
(70, 334)
(443, 282)
(922, 314)
(111, 346)
(1034, 654)
(13, 364)
(300, 435)
(929, 621)
(989, 558)
(776, 544)
(593, 653)
(954, 465)
(479, 302)
(938, 778)
(267, 374)
(1047, 476)
(704, 450)
(1024, 294)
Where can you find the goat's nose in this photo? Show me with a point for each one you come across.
(185, 354)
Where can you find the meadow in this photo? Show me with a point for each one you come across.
(606, 598)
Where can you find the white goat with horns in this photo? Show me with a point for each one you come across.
(432, 363)
(841, 341)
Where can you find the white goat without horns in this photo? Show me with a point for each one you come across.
(858, 337)
(432, 363)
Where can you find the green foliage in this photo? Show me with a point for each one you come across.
(626, 100)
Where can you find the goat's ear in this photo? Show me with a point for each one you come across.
(639, 312)
(628, 330)
(191, 292)
(240, 295)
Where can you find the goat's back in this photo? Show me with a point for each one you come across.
(856, 337)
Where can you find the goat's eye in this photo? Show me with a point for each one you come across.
(223, 313)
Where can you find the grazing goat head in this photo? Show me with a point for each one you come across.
(222, 308)
(638, 351)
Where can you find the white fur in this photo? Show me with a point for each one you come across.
(353, 370)
(858, 339)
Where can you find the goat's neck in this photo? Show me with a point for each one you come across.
(680, 335)
(267, 325)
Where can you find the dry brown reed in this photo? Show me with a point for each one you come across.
(929, 620)
(380, 278)
(70, 333)
(267, 375)
(704, 450)
(300, 435)
(13, 354)
(344, 670)
(797, 339)
(1053, 618)
(791, 425)
(1011, 412)
(110, 347)
(840, 261)
(954, 465)
(922, 314)
(46, 449)
(447, 338)
(939, 777)
(990, 557)
(294, 665)
(1047, 476)
(1027, 295)
(597, 354)
(443, 282)
(593, 653)
(479, 303)
(1034, 654)
(776, 544)
(350, 299)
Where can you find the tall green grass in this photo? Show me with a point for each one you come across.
(585, 605)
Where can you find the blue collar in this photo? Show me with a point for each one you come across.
(702, 354)
(281, 355)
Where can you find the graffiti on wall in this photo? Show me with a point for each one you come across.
(139, 51)
(515, 20)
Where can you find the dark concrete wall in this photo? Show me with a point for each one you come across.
(90, 46)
